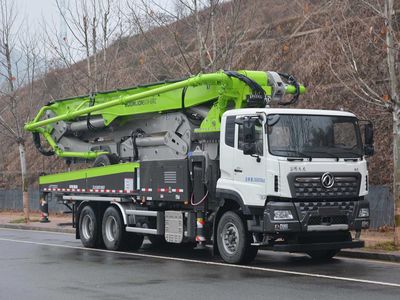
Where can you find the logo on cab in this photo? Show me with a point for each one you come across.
(327, 180)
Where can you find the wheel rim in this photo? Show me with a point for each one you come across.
(87, 227)
(230, 238)
(111, 228)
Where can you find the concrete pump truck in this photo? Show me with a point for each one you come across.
(206, 160)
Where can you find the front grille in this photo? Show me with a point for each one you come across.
(328, 220)
(306, 207)
(311, 187)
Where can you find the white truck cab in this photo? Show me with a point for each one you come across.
(306, 170)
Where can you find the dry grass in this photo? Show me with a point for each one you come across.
(22, 221)
(386, 246)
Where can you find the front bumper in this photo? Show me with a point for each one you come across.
(315, 225)
(316, 216)
(314, 246)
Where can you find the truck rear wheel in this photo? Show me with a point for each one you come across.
(112, 229)
(89, 228)
(234, 241)
(114, 235)
(323, 254)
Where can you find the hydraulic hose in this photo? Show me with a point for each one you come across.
(38, 145)
(292, 81)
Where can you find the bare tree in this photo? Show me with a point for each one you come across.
(391, 49)
(18, 68)
(193, 26)
(93, 32)
(382, 44)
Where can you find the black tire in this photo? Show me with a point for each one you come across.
(114, 235)
(105, 160)
(233, 239)
(323, 254)
(112, 229)
(250, 254)
(89, 227)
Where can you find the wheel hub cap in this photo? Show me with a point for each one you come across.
(230, 238)
(87, 227)
(111, 228)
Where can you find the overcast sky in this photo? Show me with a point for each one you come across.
(35, 9)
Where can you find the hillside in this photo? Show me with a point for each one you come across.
(310, 41)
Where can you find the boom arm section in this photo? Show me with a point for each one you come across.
(217, 91)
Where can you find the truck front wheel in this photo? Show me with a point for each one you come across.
(234, 241)
(89, 227)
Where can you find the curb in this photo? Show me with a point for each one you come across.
(37, 228)
(365, 254)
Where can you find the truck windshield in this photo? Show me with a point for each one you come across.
(314, 136)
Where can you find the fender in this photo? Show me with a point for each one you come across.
(223, 194)
(122, 208)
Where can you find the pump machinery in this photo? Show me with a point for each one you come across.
(206, 161)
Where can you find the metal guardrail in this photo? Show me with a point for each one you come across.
(11, 199)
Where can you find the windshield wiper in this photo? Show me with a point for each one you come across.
(325, 152)
(299, 153)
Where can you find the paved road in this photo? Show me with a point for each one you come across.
(43, 265)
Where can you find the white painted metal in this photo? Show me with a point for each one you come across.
(146, 213)
(93, 198)
(249, 175)
(254, 193)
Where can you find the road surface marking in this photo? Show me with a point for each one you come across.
(260, 251)
(210, 263)
(370, 260)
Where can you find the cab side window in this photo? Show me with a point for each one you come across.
(259, 139)
(230, 131)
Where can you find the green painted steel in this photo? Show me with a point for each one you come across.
(218, 89)
(61, 153)
(89, 173)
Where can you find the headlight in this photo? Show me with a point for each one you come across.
(363, 213)
(283, 215)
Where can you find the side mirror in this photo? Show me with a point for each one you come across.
(273, 119)
(369, 139)
(249, 149)
(249, 136)
(249, 131)
(369, 150)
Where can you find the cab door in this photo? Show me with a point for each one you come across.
(249, 171)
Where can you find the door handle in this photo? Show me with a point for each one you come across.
(238, 170)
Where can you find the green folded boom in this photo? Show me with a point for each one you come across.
(220, 91)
